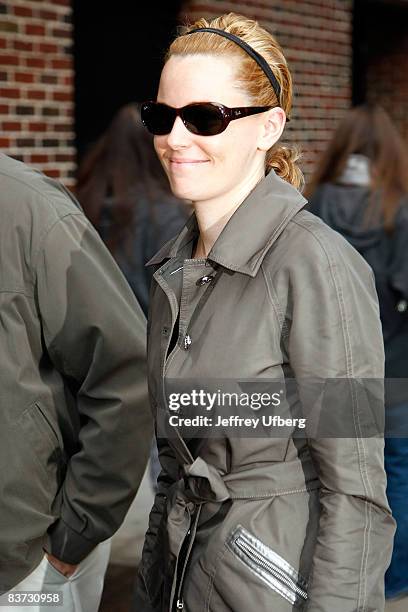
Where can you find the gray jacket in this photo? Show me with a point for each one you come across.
(74, 422)
(272, 522)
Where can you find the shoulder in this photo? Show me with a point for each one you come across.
(307, 239)
(311, 261)
(29, 193)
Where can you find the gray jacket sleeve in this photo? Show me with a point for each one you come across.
(335, 337)
(94, 333)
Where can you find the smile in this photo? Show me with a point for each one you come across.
(183, 162)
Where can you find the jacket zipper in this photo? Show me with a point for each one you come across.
(270, 567)
(284, 579)
(191, 534)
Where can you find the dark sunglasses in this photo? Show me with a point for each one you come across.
(201, 118)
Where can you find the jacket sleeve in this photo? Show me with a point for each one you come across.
(151, 571)
(335, 337)
(94, 334)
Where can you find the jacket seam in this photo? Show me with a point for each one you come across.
(362, 454)
(18, 292)
(275, 303)
(48, 231)
(277, 493)
(30, 187)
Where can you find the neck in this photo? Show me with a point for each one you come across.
(213, 215)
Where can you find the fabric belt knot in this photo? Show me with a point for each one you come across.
(201, 483)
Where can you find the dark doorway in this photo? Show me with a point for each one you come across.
(118, 54)
(380, 30)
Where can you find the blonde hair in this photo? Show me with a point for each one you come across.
(250, 76)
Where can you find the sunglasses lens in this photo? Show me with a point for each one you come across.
(158, 118)
(204, 119)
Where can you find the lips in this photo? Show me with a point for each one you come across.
(188, 161)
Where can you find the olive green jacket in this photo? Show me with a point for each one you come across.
(74, 418)
(265, 522)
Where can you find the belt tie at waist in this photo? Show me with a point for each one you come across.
(201, 483)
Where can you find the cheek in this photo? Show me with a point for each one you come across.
(159, 143)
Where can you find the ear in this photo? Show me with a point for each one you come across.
(272, 127)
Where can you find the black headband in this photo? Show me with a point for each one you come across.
(261, 61)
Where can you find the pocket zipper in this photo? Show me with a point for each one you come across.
(262, 560)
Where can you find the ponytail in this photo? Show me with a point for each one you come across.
(283, 160)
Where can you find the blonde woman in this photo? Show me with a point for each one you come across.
(254, 287)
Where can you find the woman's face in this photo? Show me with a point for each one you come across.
(202, 168)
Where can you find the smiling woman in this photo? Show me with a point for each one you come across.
(252, 289)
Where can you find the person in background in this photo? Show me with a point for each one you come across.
(74, 416)
(125, 194)
(360, 189)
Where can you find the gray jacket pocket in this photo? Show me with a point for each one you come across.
(268, 566)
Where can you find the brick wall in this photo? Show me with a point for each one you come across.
(36, 85)
(316, 39)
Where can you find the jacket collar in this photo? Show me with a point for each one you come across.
(250, 232)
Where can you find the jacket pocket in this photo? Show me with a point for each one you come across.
(45, 443)
(268, 566)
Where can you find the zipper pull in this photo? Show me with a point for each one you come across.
(180, 604)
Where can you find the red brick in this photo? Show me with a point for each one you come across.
(11, 126)
(9, 60)
(22, 11)
(22, 45)
(61, 33)
(47, 48)
(35, 62)
(24, 77)
(61, 64)
(4, 143)
(62, 96)
(48, 15)
(37, 126)
(63, 158)
(35, 30)
(37, 158)
(54, 173)
(4, 109)
(9, 93)
(35, 94)
(3, 43)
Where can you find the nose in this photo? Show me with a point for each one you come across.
(179, 135)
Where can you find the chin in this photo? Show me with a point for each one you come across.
(184, 192)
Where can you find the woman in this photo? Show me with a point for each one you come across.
(124, 192)
(360, 189)
(253, 288)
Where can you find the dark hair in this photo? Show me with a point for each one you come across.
(122, 165)
(368, 130)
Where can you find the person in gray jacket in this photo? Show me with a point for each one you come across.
(256, 293)
(75, 428)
